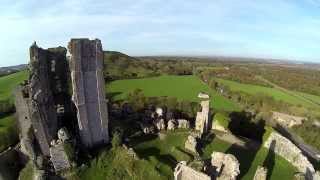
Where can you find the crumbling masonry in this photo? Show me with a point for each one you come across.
(44, 104)
(47, 82)
(88, 90)
(202, 119)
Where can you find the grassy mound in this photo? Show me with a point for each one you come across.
(181, 87)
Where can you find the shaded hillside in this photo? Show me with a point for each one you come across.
(122, 66)
(12, 69)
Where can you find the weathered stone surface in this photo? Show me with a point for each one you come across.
(287, 120)
(160, 124)
(147, 128)
(203, 95)
(88, 90)
(171, 124)
(226, 165)
(22, 103)
(48, 79)
(285, 148)
(202, 119)
(39, 174)
(261, 173)
(59, 157)
(191, 143)
(159, 112)
(217, 126)
(184, 172)
(183, 124)
(63, 134)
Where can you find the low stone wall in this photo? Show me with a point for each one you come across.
(184, 172)
(285, 148)
(261, 173)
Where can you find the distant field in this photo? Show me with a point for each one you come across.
(277, 94)
(8, 83)
(314, 98)
(181, 87)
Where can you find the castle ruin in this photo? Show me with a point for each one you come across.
(86, 66)
(202, 119)
(45, 109)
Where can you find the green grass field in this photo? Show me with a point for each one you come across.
(181, 87)
(8, 83)
(8, 134)
(165, 153)
(277, 94)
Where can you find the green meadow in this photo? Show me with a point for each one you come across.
(165, 153)
(8, 134)
(8, 83)
(181, 87)
(288, 97)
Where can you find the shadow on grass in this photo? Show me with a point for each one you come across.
(269, 162)
(245, 157)
(111, 95)
(166, 159)
(207, 139)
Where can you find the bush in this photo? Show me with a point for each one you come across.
(117, 138)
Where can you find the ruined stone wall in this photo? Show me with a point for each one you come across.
(261, 173)
(43, 113)
(285, 148)
(22, 103)
(88, 90)
(184, 172)
(202, 119)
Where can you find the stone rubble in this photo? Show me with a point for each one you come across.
(261, 173)
(184, 172)
(183, 124)
(287, 120)
(226, 166)
(58, 154)
(191, 143)
(171, 124)
(160, 124)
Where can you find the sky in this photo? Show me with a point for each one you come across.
(281, 29)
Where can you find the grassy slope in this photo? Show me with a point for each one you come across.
(8, 83)
(182, 87)
(8, 134)
(275, 93)
(311, 97)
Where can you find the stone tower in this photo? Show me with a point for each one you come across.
(86, 67)
(203, 117)
(47, 82)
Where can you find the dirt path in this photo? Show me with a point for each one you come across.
(289, 92)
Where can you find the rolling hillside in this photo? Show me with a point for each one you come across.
(181, 87)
